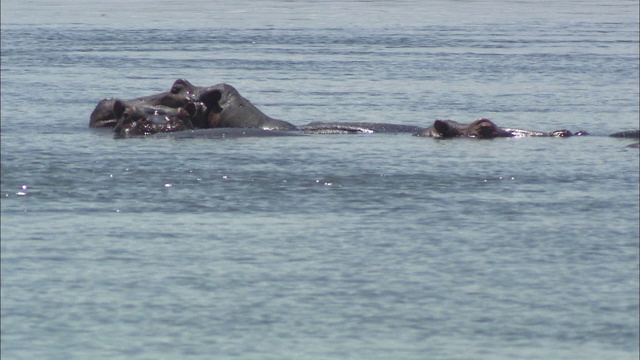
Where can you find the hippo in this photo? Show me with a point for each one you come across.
(484, 129)
(187, 107)
(144, 119)
(220, 105)
(191, 107)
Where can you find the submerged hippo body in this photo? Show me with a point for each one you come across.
(633, 134)
(227, 133)
(356, 128)
(629, 134)
(485, 129)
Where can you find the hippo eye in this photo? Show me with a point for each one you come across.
(175, 89)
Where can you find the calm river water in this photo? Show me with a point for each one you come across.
(382, 246)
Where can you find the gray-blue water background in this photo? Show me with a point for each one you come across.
(323, 247)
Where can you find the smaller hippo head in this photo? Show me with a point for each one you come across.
(561, 133)
(481, 129)
(146, 120)
(485, 129)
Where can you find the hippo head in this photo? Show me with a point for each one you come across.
(227, 108)
(146, 120)
(220, 105)
(485, 129)
(205, 99)
(181, 94)
(561, 133)
(480, 129)
(103, 115)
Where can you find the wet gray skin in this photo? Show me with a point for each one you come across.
(146, 120)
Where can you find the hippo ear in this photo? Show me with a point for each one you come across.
(118, 108)
(211, 99)
(442, 127)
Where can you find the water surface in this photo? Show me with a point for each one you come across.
(322, 247)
